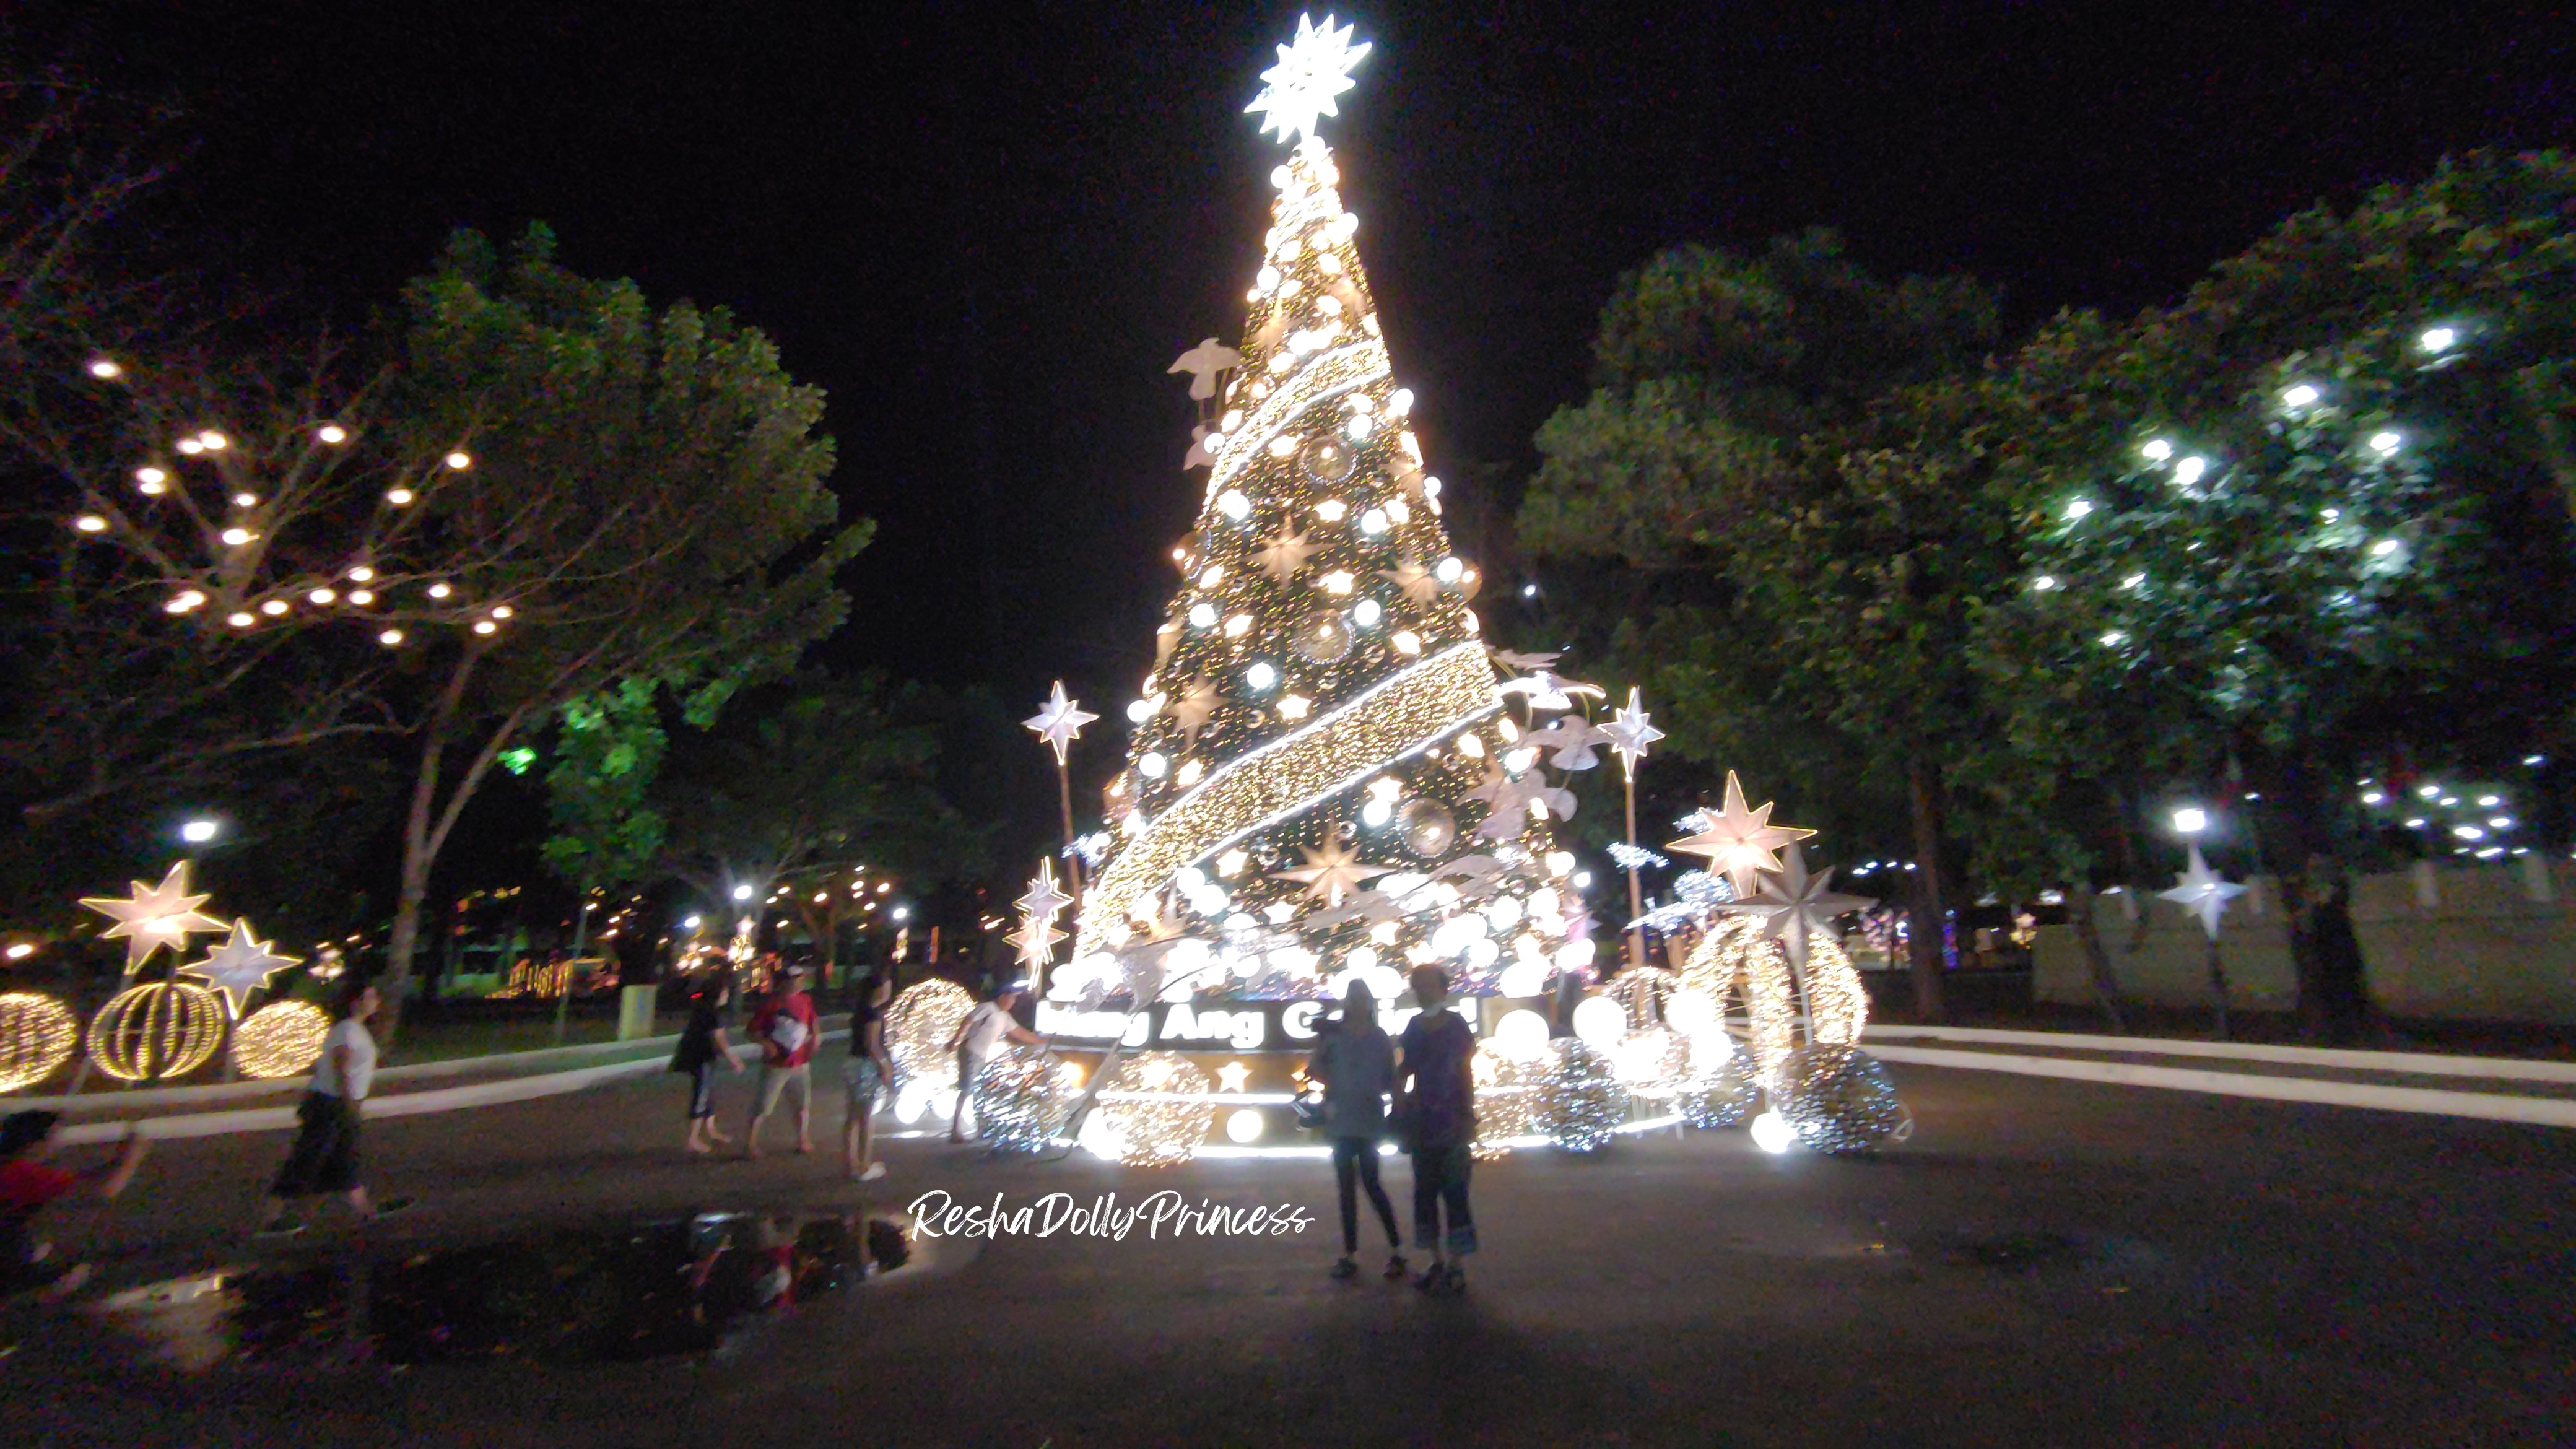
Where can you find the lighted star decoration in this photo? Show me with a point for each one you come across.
(1312, 70)
(154, 916)
(1794, 904)
(1740, 843)
(1193, 709)
(1282, 556)
(1332, 872)
(1630, 731)
(1203, 363)
(1045, 900)
(1233, 1077)
(1036, 941)
(240, 966)
(1059, 722)
(1417, 582)
(2201, 894)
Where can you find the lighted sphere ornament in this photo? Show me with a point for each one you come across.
(1507, 1092)
(1724, 1085)
(281, 1039)
(1326, 459)
(1324, 638)
(1580, 1102)
(918, 1026)
(1653, 1061)
(161, 1030)
(37, 1035)
(1022, 1098)
(1838, 1099)
(1155, 1108)
(1426, 827)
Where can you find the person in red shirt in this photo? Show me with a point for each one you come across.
(28, 1183)
(787, 1030)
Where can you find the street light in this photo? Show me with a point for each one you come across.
(692, 923)
(2190, 820)
(742, 893)
(198, 832)
(902, 913)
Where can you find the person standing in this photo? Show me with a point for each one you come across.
(1356, 1063)
(868, 1072)
(702, 1045)
(788, 1031)
(28, 1183)
(983, 1029)
(1434, 1072)
(325, 1155)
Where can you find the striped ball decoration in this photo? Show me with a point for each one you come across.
(162, 1030)
(37, 1035)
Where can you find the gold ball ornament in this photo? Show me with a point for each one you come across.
(281, 1039)
(37, 1035)
(1327, 459)
(1152, 1109)
(917, 1027)
(1426, 826)
(1324, 638)
(161, 1030)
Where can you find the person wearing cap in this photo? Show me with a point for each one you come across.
(787, 1030)
(28, 1183)
(983, 1029)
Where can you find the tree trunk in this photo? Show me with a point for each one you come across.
(2218, 988)
(2097, 962)
(425, 830)
(2316, 900)
(1924, 935)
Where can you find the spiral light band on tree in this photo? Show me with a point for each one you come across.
(1408, 713)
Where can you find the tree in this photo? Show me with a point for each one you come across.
(2313, 520)
(819, 781)
(1778, 458)
(552, 488)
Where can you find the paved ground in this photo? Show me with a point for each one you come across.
(2045, 1263)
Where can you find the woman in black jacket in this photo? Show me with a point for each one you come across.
(1356, 1063)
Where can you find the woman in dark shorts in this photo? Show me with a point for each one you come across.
(702, 1045)
(868, 1072)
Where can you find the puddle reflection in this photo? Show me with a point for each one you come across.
(637, 1291)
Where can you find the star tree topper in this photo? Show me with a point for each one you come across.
(240, 966)
(1059, 721)
(1630, 731)
(2201, 894)
(1795, 903)
(154, 916)
(1741, 843)
(1312, 70)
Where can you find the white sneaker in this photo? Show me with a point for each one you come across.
(875, 1171)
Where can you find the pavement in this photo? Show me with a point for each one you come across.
(2043, 1263)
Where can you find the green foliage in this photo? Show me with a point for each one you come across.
(2281, 587)
(608, 748)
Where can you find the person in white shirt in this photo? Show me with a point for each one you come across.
(325, 1155)
(983, 1029)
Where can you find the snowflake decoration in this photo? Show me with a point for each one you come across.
(1312, 70)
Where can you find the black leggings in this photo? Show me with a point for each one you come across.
(1356, 1158)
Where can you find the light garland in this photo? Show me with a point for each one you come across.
(281, 1039)
(163, 1029)
(1507, 1093)
(918, 1026)
(1417, 708)
(37, 1035)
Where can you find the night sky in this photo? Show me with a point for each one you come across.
(986, 230)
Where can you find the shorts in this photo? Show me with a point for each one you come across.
(702, 1090)
(325, 1155)
(774, 1082)
(863, 1080)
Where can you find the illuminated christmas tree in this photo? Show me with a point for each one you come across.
(1325, 779)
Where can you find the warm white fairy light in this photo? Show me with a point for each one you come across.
(241, 618)
(105, 368)
(332, 433)
(399, 497)
(460, 460)
(235, 537)
(390, 637)
(361, 574)
(90, 523)
(273, 607)
(439, 591)
(362, 597)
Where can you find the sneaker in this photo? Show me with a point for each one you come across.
(279, 1230)
(1345, 1268)
(1429, 1279)
(1453, 1282)
(875, 1171)
(1396, 1268)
